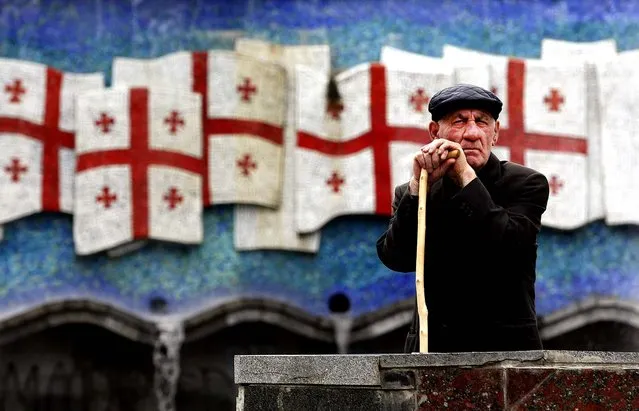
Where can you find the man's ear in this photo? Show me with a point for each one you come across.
(496, 136)
(433, 129)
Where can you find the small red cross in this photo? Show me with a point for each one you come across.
(555, 185)
(419, 100)
(555, 100)
(335, 108)
(173, 197)
(246, 164)
(106, 197)
(246, 89)
(15, 90)
(174, 120)
(105, 122)
(15, 169)
(335, 181)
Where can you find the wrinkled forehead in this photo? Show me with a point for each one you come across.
(469, 113)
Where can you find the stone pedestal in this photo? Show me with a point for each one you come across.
(531, 380)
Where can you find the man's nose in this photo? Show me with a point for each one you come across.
(472, 131)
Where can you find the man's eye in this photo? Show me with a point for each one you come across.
(458, 121)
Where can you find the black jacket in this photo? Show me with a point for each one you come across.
(480, 258)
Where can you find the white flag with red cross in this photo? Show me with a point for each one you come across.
(260, 227)
(469, 73)
(349, 162)
(544, 125)
(619, 96)
(139, 168)
(591, 54)
(244, 106)
(37, 128)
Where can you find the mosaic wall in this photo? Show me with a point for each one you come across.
(37, 260)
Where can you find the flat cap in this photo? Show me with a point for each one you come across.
(463, 96)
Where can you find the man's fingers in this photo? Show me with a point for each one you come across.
(432, 147)
(422, 160)
(448, 164)
(436, 159)
(428, 150)
(430, 164)
(450, 146)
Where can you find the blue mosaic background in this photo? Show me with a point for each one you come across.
(37, 260)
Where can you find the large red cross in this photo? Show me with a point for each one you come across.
(139, 156)
(378, 137)
(52, 138)
(15, 91)
(223, 126)
(515, 137)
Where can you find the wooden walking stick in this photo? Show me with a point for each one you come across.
(422, 310)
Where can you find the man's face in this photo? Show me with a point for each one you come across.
(475, 130)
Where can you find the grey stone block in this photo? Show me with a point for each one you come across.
(356, 370)
(456, 359)
(267, 398)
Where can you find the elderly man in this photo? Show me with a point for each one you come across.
(483, 217)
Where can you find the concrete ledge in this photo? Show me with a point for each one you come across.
(559, 358)
(356, 370)
(456, 381)
(592, 358)
(364, 370)
(456, 359)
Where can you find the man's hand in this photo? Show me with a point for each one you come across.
(433, 158)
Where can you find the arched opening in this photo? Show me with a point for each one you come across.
(597, 336)
(206, 376)
(76, 367)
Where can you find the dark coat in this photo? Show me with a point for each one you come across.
(480, 258)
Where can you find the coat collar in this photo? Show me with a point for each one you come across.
(490, 172)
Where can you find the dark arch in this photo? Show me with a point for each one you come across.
(250, 310)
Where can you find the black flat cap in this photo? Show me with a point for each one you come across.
(463, 96)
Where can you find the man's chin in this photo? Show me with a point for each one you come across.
(474, 158)
(472, 154)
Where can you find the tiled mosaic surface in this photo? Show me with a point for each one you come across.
(37, 260)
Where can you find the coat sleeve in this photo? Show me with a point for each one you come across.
(515, 223)
(396, 247)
